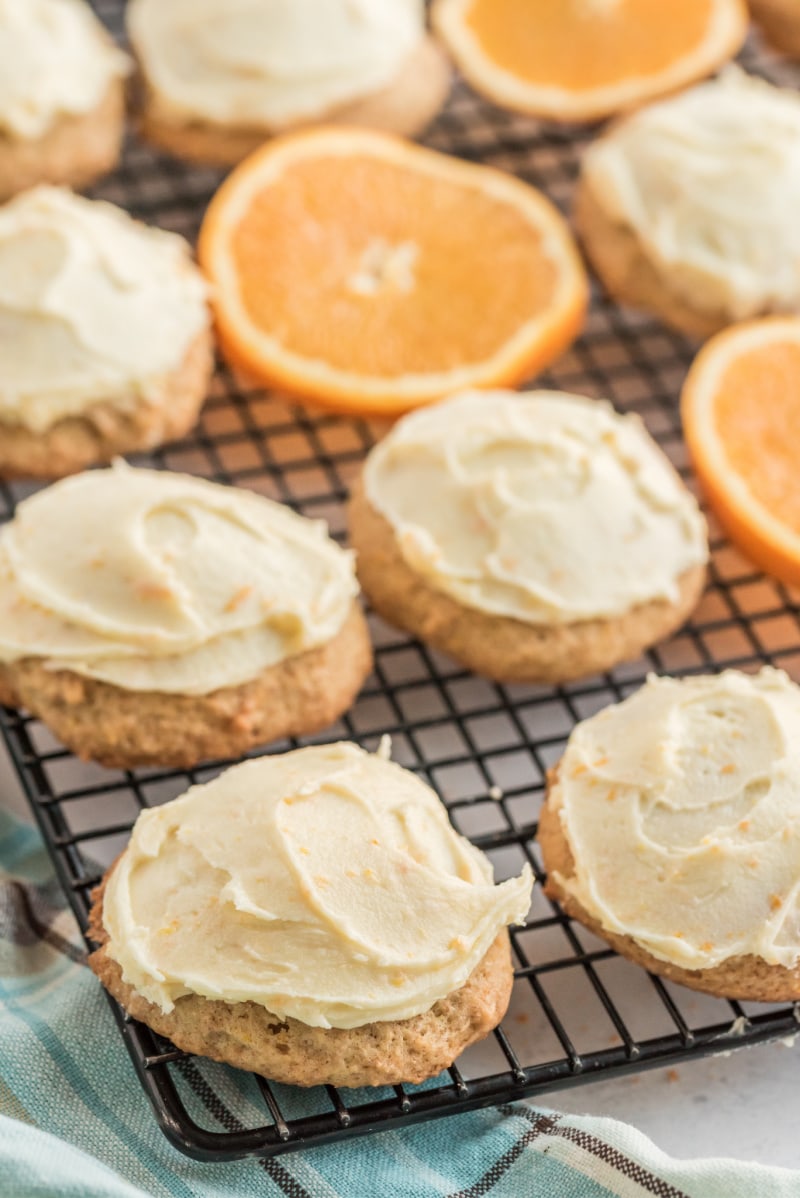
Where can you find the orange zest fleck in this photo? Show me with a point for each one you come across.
(154, 591)
(238, 598)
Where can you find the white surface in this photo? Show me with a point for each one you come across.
(743, 1105)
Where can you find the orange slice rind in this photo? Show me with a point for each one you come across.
(584, 60)
(741, 417)
(365, 273)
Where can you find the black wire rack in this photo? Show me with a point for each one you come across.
(578, 1011)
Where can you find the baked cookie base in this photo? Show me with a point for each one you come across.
(123, 729)
(629, 275)
(779, 21)
(405, 106)
(501, 647)
(746, 978)
(75, 151)
(247, 1036)
(114, 426)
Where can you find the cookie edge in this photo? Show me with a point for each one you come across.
(744, 978)
(405, 106)
(123, 729)
(390, 1053)
(502, 648)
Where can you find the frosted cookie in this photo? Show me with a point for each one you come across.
(312, 917)
(221, 76)
(672, 829)
(534, 537)
(148, 617)
(105, 332)
(779, 21)
(62, 95)
(689, 207)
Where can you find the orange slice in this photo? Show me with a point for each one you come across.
(365, 273)
(741, 417)
(582, 60)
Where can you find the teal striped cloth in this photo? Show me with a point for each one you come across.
(75, 1122)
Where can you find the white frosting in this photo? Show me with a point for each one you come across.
(681, 807)
(269, 62)
(55, 60)
(542, 506)
(327, 885)
(709, 182)
(93, 306)
(161, 582)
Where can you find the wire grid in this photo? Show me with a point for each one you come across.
(578, 1011)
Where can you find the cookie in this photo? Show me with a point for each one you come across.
(629, 276)
(153, 618)
(671, 829)
(351, 938)
(62, 95)
(661, 238)
(264, 75)
(779, 21)
(106, 334)
(107, 428)
(537, 537)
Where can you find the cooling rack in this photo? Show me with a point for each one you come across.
(578, 1011)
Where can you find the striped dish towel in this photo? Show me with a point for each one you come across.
(74, 1121)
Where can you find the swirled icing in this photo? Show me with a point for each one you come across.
(269, 62)
(681, 808)
(94, 306)
(326, 885)
(153, 581)
(541, 506)
(57, 60)
(709, 183)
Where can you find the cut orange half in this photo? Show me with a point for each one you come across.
(741, 417)
(583, 60)
(367, 274)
